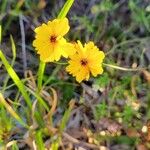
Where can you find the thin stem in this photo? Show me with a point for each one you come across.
(65, 9)
(122, 68)
(40, 74)
(23, 43)
(60, 63)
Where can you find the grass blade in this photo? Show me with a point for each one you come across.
(16, 79)
(11, 111)
(13, 48)
(39, 140)
(0, 34)
(40, 100)
(66, 116)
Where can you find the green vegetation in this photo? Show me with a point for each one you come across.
(44, 108)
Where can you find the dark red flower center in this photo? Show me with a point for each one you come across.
(84, 62)
(53, 39)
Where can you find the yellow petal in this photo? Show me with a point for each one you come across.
(83, 74)
(68, 49)
(96, 70)
(59, 26)
(43, 30)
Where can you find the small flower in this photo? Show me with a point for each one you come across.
(86, 60)
(49, 41)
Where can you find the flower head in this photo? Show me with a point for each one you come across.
(49, 41)
(87, 60)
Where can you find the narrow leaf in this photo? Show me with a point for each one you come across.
(16, 79)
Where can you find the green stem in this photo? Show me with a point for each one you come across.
(60, 63)
(65, 9)
(16, 79)
(40, 74)
(122, 68)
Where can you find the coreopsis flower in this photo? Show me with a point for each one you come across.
(49, 41)
(87, 60)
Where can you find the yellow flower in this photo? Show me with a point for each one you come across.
(86, 60)
(49, 41)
